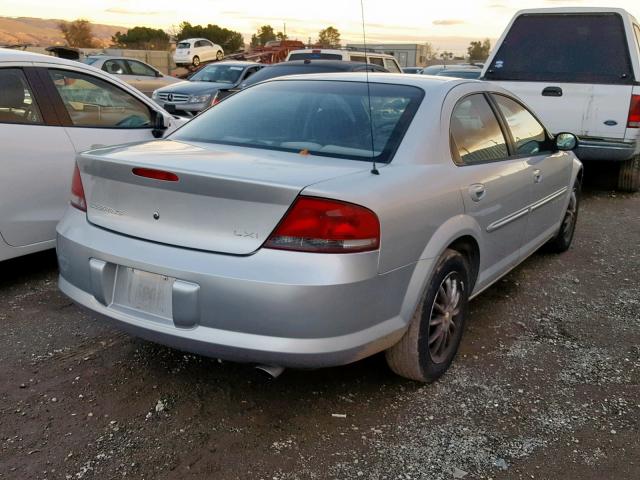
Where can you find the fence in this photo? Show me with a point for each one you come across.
(161, 59)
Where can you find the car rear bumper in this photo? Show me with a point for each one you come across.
(273, 307)
(606, 149)
(178, 59)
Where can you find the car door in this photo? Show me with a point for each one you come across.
(495, 187)
(37, 161)
(96, 112)
(549, 170)
(201, 51)
(145, 78)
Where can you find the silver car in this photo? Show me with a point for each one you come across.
(138, 74)
(315, 220)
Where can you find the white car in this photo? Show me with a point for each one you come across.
(383, 60)
(194, 51)
(579, 69)
(50, 110)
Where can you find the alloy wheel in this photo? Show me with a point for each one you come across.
(446, 316)
(570, 217)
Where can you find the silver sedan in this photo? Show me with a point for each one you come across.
(315, 220)
(138, 74)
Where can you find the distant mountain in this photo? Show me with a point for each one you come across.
(44, 32)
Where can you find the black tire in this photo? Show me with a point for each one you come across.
(629, 175)
(219, 55)
(196, 61)
(563, 239)
(416, 355)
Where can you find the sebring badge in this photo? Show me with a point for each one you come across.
(105, 209)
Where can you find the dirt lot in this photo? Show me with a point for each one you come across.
(547, 386)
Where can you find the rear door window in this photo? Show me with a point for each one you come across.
(139, 68)
(391, 65)
(528, 134)
(17, 104)
(377, 61)
(574, 48)
(116, 67)
(476, 136)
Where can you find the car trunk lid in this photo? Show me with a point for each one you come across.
(225, 199)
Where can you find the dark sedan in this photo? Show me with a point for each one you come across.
(298, 67)
(190, 97)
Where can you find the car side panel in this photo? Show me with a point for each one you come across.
(37, 163)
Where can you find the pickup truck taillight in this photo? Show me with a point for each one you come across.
(634, 112)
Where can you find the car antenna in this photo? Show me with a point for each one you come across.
(374, 169)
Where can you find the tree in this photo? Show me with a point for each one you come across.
(229, 40)
(479, 51)
(329, 38)
(264, 34)
(282, 36)
(142, 38)
(78, 33)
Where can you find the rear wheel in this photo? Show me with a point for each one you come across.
(629, 176)
(562, 241)
(196, 61)
(219, 55)
(431, 342)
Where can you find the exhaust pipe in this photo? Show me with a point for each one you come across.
(274, 371)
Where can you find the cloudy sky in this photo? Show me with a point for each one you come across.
(437, 21)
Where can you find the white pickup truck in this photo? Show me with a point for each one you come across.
(579, 69)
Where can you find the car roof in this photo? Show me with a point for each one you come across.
(114, 57)
(193, 39)
(335, 64)
(561, 10)
(9, 55)
(340, 52)
(239, 63)
(426, 82)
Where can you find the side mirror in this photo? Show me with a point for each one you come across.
(158, 124)
(566, 141)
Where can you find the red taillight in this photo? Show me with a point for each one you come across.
(77, 191)
(326, 226)
(634, 112)
(155, 174)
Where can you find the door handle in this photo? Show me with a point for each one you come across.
(537, 176)
(552, 92)
(477, 191)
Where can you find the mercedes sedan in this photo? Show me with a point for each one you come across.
(315, 220)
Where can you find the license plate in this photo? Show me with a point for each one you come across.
(144, 291)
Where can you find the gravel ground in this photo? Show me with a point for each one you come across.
(547, 386)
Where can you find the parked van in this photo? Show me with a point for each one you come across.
(381, 59)
(579, 69)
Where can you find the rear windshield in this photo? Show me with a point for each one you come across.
(183, 45)
(578, 48)
(282, 70)
(323, 118)
(315, 56)
(218, 74)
